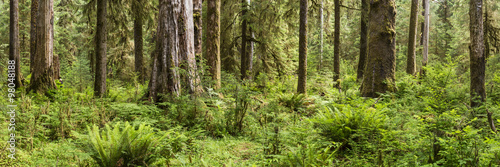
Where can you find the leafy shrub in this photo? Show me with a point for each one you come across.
(346, 125)
(122, 146)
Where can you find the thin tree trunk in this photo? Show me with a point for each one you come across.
(411, 57)
(422, 24)
(336, 45)
(213, 41)
(34, 12)
(197, 11)
(320, 64)
(250, 53)
(244, 58)
(301, 86)
(425, 37)
(363, 39)
(477, 59)
(14, 52)
(100, 50)
(43, 72)
(138, 41)
(380, 68)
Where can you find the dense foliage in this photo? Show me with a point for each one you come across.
(427, 121)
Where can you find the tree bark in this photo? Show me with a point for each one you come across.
(138, 41)
(100, 50)
(174, 46)
(302, 79)
(411, 57)
(425, 36)
(34, 12)
(477, 59)
(336, 45)
(213, 41)
(244, 57)
(321, 18)
(42, 76)
(187, 50)
(14, 48)
(380, 68)
(197, 11)
(363, 39)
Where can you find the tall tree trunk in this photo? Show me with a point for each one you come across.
(425, 37)
(250, 53)
(174, 46)
(422, 24)
(380, 68)
(477, 59)
(187, 50)
(138, 41)
(244, 57)
(321, 18)
(301, 86)
(34, 12)
(213, 41)
(411, 58)
(14, 52)
(197, 11)
(100, 50)
(166, 59)
(43, 72)
(336, 45)
(363, 39)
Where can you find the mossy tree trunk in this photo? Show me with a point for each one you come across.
(477, 58)
(380, 68)
(302, 79)
(411, 57)
(14, 52)
(336, 45)
(363, 39)
(213, 41)
(100, 50)
(43, 71)
(243, 54)
(197, 11)
(34, 12)
(138, 41)
(321, 25)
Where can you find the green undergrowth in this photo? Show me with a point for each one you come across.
(427, 122)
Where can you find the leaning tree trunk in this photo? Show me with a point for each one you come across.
(380, 68)
(301, 86)
(411, 58)
(213, 41)
(363, 39)
(336, 45)
(100, 49)
(186, 47)
(34, 12)
(477, 59)
(42, 76)
(138, 42)
(14, 52)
